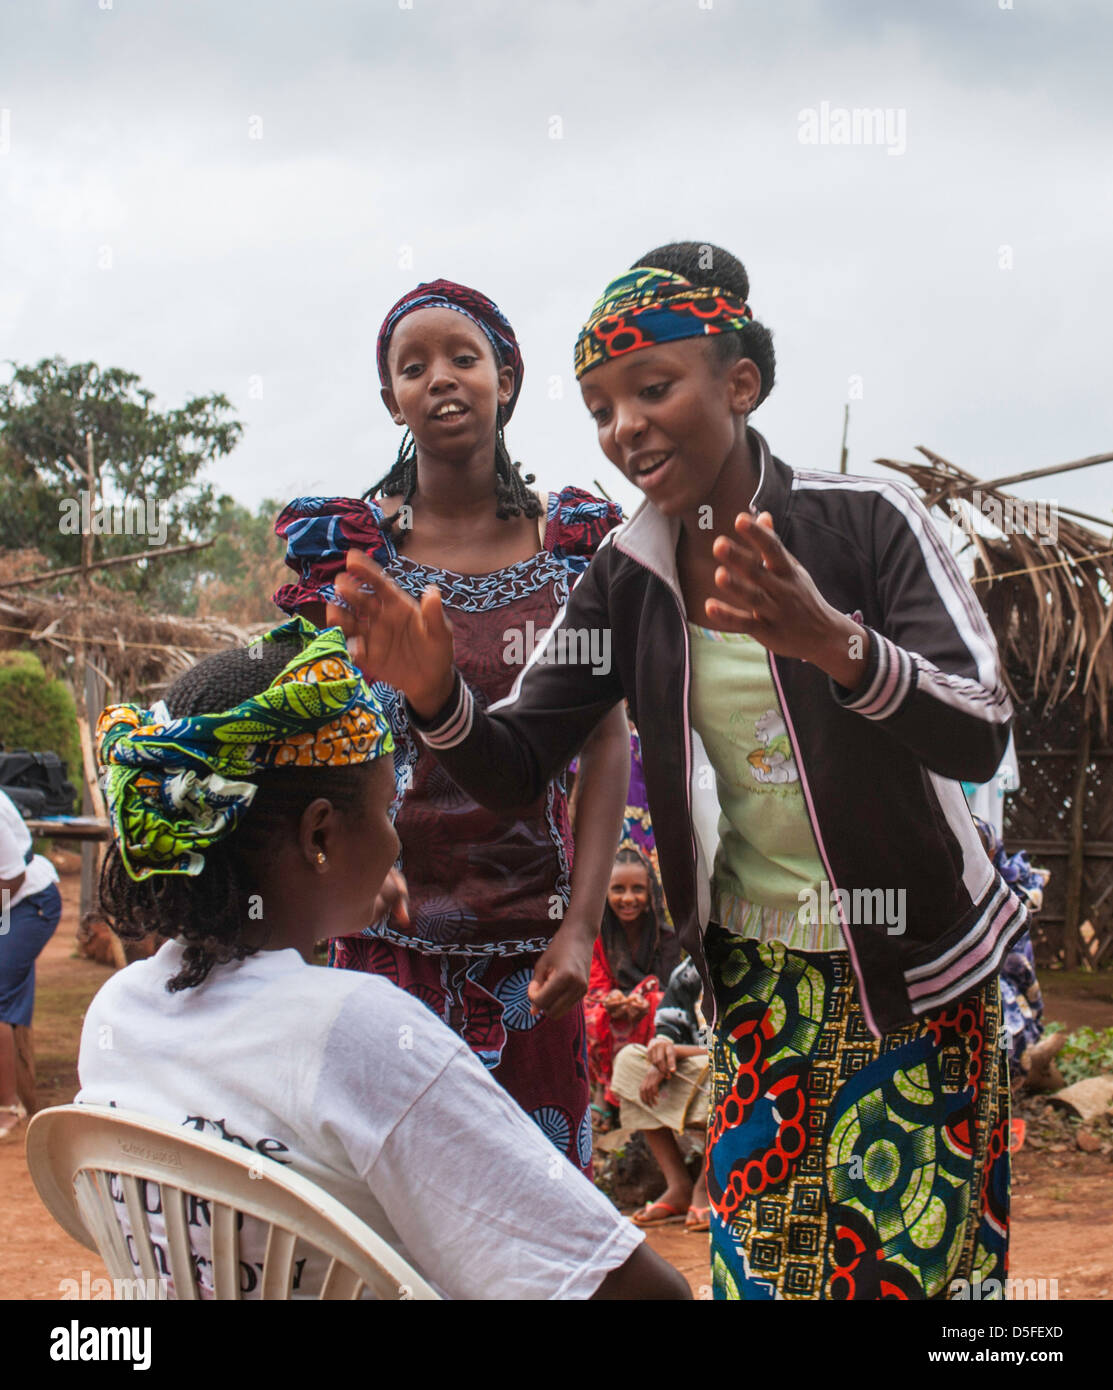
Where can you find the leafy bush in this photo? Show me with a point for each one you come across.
(1086, 1052)
(37, 712)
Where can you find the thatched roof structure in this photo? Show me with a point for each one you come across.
(137, 654)
(1046, 589)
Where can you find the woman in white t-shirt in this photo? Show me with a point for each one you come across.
(248, 836)
(30, 906)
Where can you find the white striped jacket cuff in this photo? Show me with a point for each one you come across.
(887, 684)
(455, 725)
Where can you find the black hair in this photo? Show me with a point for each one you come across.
(208, 911)
(612, 929)
(704, 264)
(512, 494)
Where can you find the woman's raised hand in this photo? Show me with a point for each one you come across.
(392, 637)
(773, 598)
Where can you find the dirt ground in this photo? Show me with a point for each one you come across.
(1062, 1203)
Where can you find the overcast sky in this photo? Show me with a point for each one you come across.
(956, 277)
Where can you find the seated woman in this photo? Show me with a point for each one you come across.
(663, 1090)
(251, 816)
(636, 949)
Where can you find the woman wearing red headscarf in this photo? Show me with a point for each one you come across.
(498, 932)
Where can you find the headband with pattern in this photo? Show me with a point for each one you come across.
(645, 307)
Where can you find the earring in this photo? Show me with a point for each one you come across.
(320, 856)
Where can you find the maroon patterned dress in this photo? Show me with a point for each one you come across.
(487, 892)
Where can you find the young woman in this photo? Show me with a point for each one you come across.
(30, 908)
(251, 816)
(815, 631)
(634, 956)
(502, 918)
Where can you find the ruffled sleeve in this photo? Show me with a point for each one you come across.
(319, 532)
(578, 521)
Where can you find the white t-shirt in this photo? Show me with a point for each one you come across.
(364, 1091)
(15, 841)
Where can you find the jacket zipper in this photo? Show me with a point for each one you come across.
(688, 764)
(848, 938)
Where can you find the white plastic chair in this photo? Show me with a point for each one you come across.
(72, 1150)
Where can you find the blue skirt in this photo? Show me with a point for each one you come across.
(30, 925)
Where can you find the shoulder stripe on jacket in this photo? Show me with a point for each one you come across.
(953, 590)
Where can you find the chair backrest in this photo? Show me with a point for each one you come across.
(74, 1150)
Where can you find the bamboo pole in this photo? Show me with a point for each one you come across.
(1075, 863)
(959, 488)
(89, 854)
(153, 553)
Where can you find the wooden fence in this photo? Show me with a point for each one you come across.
(1070, 834)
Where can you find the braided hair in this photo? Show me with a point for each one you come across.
(208, 911)
(703, 264)
(512, 494)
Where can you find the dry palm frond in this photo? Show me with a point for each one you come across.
(137, 652)
(1048, 598)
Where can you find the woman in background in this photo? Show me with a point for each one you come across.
(30, 908)
(634, 956)
(502, 917)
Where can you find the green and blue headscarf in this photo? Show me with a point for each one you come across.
(176, 786)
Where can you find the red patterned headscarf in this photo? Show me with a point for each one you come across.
(645, 307)
(446, 294)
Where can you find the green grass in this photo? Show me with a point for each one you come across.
(1086, 1052)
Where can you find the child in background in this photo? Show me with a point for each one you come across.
(635, 952)
(251, 816)
(503, 916)
(664, 1089)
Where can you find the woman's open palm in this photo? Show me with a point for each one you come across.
(394, 638)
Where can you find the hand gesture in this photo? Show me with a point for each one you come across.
(560, 977)
(650, 1087)
(767, 593)
(392, 637)
(637, 1006)
(661, 1053)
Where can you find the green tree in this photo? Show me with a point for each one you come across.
(235, 577)
(141, 453)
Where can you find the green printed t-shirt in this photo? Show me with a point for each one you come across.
(767, 853)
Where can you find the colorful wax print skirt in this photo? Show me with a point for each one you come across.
(843, 1166)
